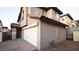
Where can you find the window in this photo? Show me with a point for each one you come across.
(35, 11)
(57, 16)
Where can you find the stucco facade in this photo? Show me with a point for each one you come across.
(51, 33)
(75, 35)
(24, 16)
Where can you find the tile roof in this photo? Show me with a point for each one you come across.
(51, 21)
(15, 25)
(67, 15)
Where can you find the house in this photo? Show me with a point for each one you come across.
(41, 25)
(68, 20)
(1, 25)
(16, 30)
(5, 29)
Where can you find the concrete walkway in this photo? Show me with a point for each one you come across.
(16, 45)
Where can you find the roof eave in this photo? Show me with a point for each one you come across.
(19, 14)
(51, 21)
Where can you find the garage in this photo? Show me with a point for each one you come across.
(30, 34)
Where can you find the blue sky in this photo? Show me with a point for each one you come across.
(9, 15)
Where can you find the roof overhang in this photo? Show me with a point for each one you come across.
(54, 8)
(15, 25)
(19, 14)
(68, 16)
(51, 21)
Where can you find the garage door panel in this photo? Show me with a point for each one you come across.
(30, 35)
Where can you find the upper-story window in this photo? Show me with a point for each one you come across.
(34, 11)
(57, 16)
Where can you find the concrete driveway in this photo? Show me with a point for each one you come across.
(65, 45)
(16, 45)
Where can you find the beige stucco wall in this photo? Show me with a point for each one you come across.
(24, 20)
(53, 15)
(50, 13)
(76, 35)
(0, 27)
(0, 36)
(27, 13)
(51, 32)
(36, 13)
(13, 33)
(32, 20)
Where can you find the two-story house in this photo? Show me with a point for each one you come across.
(68, 20)
(41, 25)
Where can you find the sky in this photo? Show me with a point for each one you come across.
(73, 11)
(9, 15)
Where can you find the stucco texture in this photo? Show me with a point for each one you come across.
(51, 32)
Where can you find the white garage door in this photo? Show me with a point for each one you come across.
(30, 35)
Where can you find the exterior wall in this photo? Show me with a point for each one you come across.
(34, 12)
(5, 30)
(76, 35)
(53, 15)
(70, 31)
(23, 19)
(27, 12)
(50, 13)
(13, 33)
(32, 20)
(0, 36)
(66, 20)
(0, 27)
(51, 33)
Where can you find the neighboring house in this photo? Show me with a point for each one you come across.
(16, 30)
(1, 25)
(5, 29)
(41, 25)
(68, 20)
